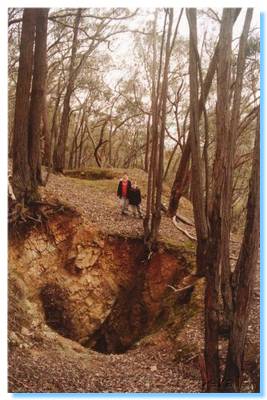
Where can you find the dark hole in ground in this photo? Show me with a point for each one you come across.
(128, 321)
(54, 299)
(107, 342)
(125, 325)
(144, 303)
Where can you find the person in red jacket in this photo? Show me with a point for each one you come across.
(123, 193)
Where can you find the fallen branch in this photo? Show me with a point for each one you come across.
(184, 220)
(179, 290)
(183, 230)
(178, 216)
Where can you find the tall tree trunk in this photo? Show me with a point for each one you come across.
(54, 125)
(150, 182)
(197, 180)
(45, 133)
(21, 170)
(182, 172)
(37, 98)
(147, 143)
(244, 277)
(156, 218)
(180, 180)
(59, 155)
(158, 127)
(170, 161)
(81, 146)
(227, 192)
(219, 170)
(73, 148)
(101, 142)
(110, 146)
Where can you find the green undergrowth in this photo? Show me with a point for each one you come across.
(91, 173)
(103, 185)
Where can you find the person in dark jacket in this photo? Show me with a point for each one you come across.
(135, 200)
(123, 192)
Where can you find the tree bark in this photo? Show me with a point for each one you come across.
(82, 140)
(181, 176)
(147, 143)
(150, 189)
(158, 113)
(54, 125)
(21, 170)
(197, 180)
(37, 99)
(45, 133)
(228, 190)
(73, 148)
(156, 218)
(60, 150)
(219, 170)
(244, 278)
(180, 181)
(100, 143)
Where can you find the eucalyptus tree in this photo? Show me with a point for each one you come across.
(30, 89)
(160, 76)
(104, 24)
(213, 223)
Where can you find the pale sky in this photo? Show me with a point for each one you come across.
(123, 52)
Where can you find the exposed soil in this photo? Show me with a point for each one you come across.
(163, 358)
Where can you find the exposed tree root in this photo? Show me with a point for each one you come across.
(24, 217)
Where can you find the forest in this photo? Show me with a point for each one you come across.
(104, 103)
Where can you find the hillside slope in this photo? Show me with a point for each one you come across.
(97, 201)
